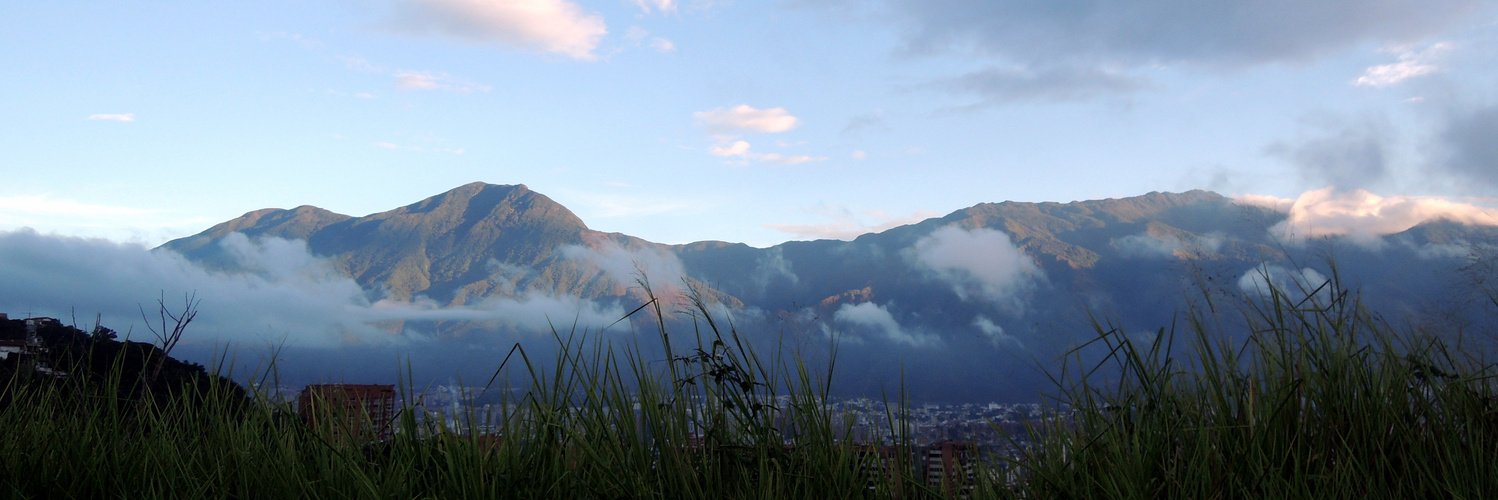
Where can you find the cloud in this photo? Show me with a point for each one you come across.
(868, 121)
(878, 318)
(413, 80)
(1469, 148)
(125, 117)
(738, 148)
(277, 288)
(1148, 32)
(848, 225)
(744, 118)
(1271, 202)
(1347, 152)
(859, 155)
(1151, 245)
(772, 268)
(1411, 64)
(551, 26)
(994, 332)
(1365, 216)
(741, 149)
(1049, 83)
(979, 264)
(661, 5)
(662, 45)
(623, 265)
(1296, 285)
(637, 34)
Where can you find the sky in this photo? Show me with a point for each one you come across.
(756, 122)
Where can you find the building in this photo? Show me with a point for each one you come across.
(362, 412)
(949, 465)
(880, 467)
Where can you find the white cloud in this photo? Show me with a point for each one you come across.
(741, 149)
(661, 5)
(1266, 201)
(1365, 216)
(979, 264)
(1411, 64)
(779, 159)
(123, 117)
(662, 45)
(1146, 244)
(279, 289)
(859, 155)
(994, 332)
(414, 80)
(623, 264)
(744, 118)
(738, 148)
(878, 318)
(1296, 285)
(552, 26)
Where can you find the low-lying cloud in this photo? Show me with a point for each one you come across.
(979, 264)
(278, 290)
(1364, 216)
(1151, 245)
(869, 316)
(624, 265)
(1296, 285)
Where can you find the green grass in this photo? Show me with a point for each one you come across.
(1318, 399)
(1322, 400)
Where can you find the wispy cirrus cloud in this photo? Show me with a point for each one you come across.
(740, 149)
(548, 26)
(660, 5)
(414, 80)
(120, 117)
(746, 118)
(406, 79)
(1412, 63)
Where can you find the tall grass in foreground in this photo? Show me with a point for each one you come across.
(1322, 400)
(602, 421)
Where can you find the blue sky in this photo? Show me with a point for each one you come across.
(685, 120)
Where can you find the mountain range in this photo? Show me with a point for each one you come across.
(981, 294)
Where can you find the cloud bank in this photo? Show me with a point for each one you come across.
(279, 289)
(1362, 215)
(1143, 32)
